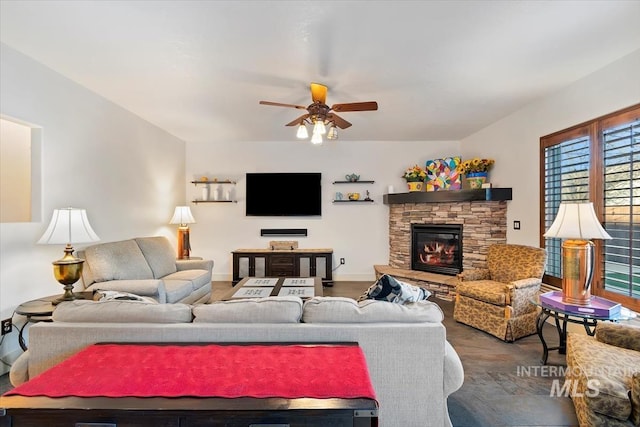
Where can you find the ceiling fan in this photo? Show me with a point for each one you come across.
(320, 115)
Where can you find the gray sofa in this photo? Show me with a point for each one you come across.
(412, 366)
(146, 266)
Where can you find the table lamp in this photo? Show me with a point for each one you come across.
(577, 223)
(182, 215)
(68, 226)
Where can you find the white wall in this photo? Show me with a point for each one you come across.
(357, 232)
(127, 173)
(514, 142)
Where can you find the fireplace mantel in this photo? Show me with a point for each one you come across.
(486, 194)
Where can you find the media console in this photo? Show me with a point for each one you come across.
(283, 263)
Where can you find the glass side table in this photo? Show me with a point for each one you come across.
(562, 318)
(40, 310)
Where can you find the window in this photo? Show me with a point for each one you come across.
(598, 161)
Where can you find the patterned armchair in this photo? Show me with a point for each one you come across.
(603, 374)
(496, 299)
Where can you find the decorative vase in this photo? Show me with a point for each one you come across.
(476, 179)
(205, 192)
(415, 185)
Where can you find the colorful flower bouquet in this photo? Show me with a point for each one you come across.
(415, 174)
(475, 165)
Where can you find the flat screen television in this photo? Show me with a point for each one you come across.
(284, 194)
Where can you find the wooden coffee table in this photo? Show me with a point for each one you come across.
(275, 290)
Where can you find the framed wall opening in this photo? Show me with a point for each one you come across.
(20, 171)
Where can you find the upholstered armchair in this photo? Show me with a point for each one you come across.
(496, 299)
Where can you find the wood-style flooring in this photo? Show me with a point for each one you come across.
(500, 388)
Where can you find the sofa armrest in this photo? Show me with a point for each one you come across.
(619, 334)
(153, 288)
(453, 370)
(194, 264)
(19, 372)
(635, 398)
(474, 274)
(526, 283)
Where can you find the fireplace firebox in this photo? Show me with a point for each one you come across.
(436, 248)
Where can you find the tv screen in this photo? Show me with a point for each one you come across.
(284, 194)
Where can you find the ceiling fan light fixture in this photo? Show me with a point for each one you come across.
(319, 127)
(316, 138)
(333, 132)
(302, 132)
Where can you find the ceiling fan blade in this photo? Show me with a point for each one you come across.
(278, 104)
(297, 121)
(318, 93)
(355, 106)
(339, 121)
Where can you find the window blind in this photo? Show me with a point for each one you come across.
(621, 155)
(566, 179)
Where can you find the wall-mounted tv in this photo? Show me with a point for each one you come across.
(284, 194)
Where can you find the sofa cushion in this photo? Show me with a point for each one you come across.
(118, 311)
(159, 255)
(121, 260)
(484, 290)
(347, 310)
(177, 289)
(198, 278)
(388, 288)
(254, 310)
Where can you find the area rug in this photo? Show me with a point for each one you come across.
(208, 370)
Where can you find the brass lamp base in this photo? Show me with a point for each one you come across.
(184, 246)
(577, 271)
(67, 271)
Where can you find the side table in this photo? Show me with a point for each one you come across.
(562, 317)
(40, 310)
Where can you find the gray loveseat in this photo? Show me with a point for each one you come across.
(412, 366)
(146, 266)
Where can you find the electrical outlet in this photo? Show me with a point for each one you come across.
(516, 225)
(6, 326)
(341, 261)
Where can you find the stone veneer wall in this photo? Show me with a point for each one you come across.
(483, 224)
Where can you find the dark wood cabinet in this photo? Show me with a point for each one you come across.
(283, 263)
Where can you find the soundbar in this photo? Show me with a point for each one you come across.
(283, 232)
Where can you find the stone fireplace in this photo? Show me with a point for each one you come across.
(480, 215)
(483, 223)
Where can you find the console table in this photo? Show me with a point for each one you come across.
(82, 403)
(283, 263)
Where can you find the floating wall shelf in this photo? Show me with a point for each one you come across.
(486, 194)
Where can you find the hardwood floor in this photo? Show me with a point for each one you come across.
(500, 388)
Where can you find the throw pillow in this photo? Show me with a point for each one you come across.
(102, 295)
(388, 288)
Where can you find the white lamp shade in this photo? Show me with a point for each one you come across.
(68, 225)
(576, 221)
(182, 215)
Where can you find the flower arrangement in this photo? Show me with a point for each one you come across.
(475, 165)
(414, 174)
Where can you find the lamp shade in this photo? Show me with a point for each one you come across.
(67, 226)
(576, 221)
(182, 215)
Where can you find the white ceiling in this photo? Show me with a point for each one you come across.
(439, 70)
